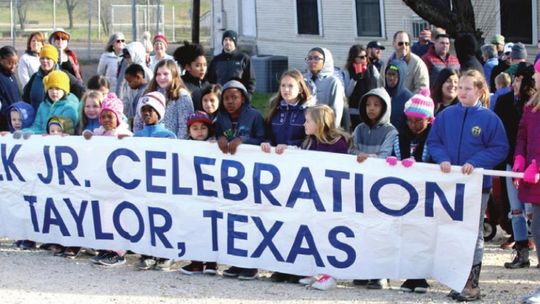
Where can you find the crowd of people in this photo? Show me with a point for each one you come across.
(422, 104)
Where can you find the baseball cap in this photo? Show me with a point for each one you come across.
(375, 44)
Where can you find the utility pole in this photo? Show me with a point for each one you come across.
(195, 21)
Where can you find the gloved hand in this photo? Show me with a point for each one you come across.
(519, 163)
(391, 160)
(408, 162)
(530, 174)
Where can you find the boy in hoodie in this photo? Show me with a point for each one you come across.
(374, 137)
(237, 121)
(152, 108)
(326, 88)
(137, 84)
(58, 101)
(133, 53)
(21, 116)
(395, 74)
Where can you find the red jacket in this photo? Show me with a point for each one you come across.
(436, 64)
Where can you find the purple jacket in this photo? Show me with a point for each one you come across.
(528, 145)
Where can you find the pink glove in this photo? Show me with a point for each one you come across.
(408, 162)
(391, 160)
(519, 163)
(530, 174)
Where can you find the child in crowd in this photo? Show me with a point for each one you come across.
(410, 147)
(89, 113)
(502, 84)
(21, 116)
(9, 89)
(525, 160)
(470, 135)
(191, 59)
(152, 109)
(60, 125)
(236, 123)
(167, 81)
(98, 83)
(137, 85)
(200, 128)
(210, 97)
(374, 137)
(285, 120)
(395, 74)
(58, 101)
(322, 135)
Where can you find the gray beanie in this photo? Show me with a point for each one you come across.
(518, 51)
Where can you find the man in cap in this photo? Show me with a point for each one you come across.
(232, 64)
(517, 55)
(504, 63)
(498, 42)
(374, 53)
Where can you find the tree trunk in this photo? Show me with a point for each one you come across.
(22, 8)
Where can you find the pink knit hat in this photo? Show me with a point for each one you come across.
(537, 66)
(113, 104)
(420, 105)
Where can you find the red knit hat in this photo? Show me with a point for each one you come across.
(160, 36)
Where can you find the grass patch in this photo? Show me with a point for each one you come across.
(260, 101)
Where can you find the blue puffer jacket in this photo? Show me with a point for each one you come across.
(157, 130)
(288, 125)
(67, 106)
(473, 135)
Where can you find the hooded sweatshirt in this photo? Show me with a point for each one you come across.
(138, 55)
(326, 88)
(249, 125)
(68, 106)
(377, 139)
(26, 114)
(399, 94)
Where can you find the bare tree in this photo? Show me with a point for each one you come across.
(106, 18)
(22, 8)
(70, 6)
(455, 16)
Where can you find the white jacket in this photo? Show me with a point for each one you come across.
(108, 67)
(27, 66)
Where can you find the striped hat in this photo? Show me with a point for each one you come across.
(156, 100)
(420, 105)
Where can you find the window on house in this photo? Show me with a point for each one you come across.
(307, 14)
(517, 29)
(368, 18)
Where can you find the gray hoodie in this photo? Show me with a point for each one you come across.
(327, 88)
(376, 140)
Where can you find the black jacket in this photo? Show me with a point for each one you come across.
(235, 65)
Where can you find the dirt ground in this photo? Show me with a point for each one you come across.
(37, 276)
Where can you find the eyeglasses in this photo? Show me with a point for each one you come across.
(313, 58)
(401, 43)
(120, 40)
(361, 57)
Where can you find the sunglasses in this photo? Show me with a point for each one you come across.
(401, 43)
(120, 40)
(361, 57)
(313, 58)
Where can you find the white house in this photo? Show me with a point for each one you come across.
(290, 28)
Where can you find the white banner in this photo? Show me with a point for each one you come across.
(302, 212)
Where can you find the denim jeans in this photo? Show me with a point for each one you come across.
(517, 210)
(479, 249)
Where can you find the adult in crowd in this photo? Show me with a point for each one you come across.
(191, 59)
(29, 61)
(489, 55)
(498, 42)
(466, 50)
(146, 40)
(444, 90)
(374, 52)
(417, 72)
(108, 62)
(504, 63)
(68, 59)
(34, 91)
(160, 44)
(509, 108)
(360, 76)
(325, 86)
(424, 42)
(438, 57)
(517, 55)
(232, 64)
(9, 90)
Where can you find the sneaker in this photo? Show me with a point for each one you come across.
(26, 245)
(407, 286)
(71, 252)
(52, 247)
(193, 268)
(112, 259)
(101, 254)
(210, 268)
(360, 282)
(375, 284)
(232, 272)
(307, 280)
(422, 286)
(164, 265)
(279, 277)
(295, 279)
(146, 263)
(324, 282)
(452, 294)
(248, 274)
